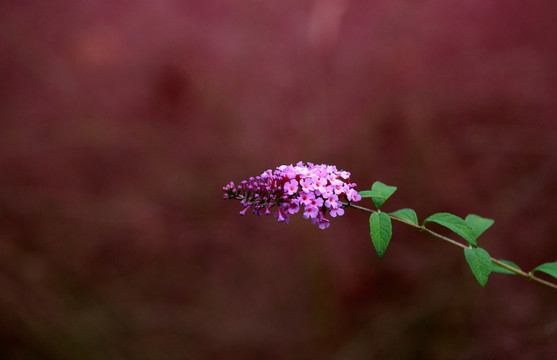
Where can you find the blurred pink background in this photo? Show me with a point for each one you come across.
(120, 122)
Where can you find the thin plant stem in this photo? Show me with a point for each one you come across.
(527, 275)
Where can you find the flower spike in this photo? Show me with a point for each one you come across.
(316, 188)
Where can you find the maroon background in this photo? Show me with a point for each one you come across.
(120, 122)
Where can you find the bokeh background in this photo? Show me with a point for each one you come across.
(120, 122)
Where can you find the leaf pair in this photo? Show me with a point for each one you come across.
(380, 227)
(469, 229)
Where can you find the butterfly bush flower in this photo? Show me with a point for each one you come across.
(316, 190)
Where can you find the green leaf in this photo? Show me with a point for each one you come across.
(406, 215)
(496, 268)
(548, 268)
(380, 193)
(478, 224)
(380, 230)
(365, 194)
(454, 223)
(480, 263)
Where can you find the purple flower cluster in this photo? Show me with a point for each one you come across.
(314, 189)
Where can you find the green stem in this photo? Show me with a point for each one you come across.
(519, 272)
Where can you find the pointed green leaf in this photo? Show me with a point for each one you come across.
(548, 268)
(454, 223)
(365, 193)
(380, 193)
(380, 229)
(407, 215)
(480, 263)
(496, 268)
(478, 224)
